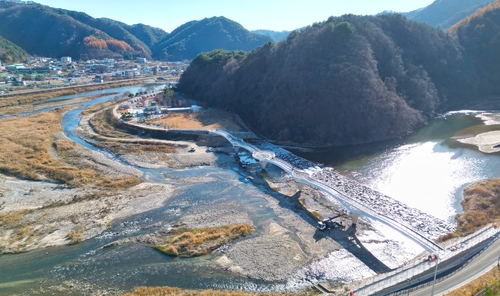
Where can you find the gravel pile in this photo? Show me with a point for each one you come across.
(270, 258)
(380, 203)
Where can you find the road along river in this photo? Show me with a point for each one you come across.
(427, 170)
(292, 252)
(284, 253)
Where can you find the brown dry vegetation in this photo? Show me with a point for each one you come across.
(481, 206)
(105, 124)
(479, 13)
(164, 291)
(139, 146)
(11, 218)
(75, 236)
(201, 120)
(26, 98)
(490, 279)
(196, 242)
(103, 105)
(26, 143)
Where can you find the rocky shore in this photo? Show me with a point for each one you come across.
(380, 203)
(426, 224)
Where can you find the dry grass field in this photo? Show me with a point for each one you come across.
(30, 151)
(27, 98)
(201, 120)
(196, 242)
(481, 206)
(490, 280)
(105, 124)
(170, 291)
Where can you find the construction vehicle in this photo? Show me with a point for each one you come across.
(328, 223)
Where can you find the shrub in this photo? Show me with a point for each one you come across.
(195, 242)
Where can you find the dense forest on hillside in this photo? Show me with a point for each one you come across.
(113, 29)
(147, 34)
(194, 37)
(46, 31)
(446, 13)
(42, 30)
(276, 35)
(479, 34)
(9, 52)
(348, 80)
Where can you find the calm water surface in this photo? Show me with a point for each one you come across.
(427, 170)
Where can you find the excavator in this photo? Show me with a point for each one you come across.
(328, 223)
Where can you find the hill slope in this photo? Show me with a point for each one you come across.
(42, 30)
(195, 37)
(479, 34)
(9, 52)
(277, 36)
(112, 28)
(348, 80)
(147, 34)
(445, 13)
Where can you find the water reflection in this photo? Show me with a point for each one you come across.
(427, 170)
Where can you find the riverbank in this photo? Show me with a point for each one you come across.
(192, 190)
(488, 142)
(9, 102)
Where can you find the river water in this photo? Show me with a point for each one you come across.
(124, 267)
(427, 170)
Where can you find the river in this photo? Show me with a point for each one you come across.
(91, 267)
(427, 170)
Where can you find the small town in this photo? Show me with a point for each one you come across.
(250, 148)
(45, 73)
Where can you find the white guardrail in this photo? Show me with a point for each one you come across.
(379, 282)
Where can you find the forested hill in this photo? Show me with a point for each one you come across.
(9, 52)
(45, 31)
(276, 35)
(194, 37)
(479, 35)
(445, 13)
(348, 80)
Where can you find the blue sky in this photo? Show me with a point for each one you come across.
(255, 14)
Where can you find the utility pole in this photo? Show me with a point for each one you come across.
(435, 274)
(409, 284)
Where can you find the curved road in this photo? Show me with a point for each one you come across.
(478, 266)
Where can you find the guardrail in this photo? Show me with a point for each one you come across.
(383, 281)
(386, 280)
(438, 280)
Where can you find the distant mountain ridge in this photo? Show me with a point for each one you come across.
(446, 13)
(46, 31)
(208, 34)
(276, 35)
(53, 32)
(479, 34)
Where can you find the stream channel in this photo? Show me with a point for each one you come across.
(427, 170)
(120, 269)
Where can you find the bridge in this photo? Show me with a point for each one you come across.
(381, 281)
(268, 157)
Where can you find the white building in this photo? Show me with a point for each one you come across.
(66, 60)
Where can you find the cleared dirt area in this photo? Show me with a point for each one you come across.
(203, 120)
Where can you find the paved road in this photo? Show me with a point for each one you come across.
(483, 262)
